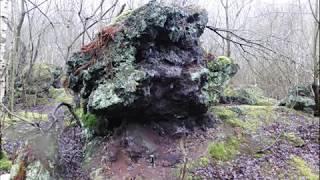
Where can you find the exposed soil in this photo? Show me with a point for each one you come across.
(155, 151)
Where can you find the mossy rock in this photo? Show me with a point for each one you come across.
(224, 60)
(29, 166)
(125, 77)
(245, 116)
(300, 98)
(221, 70)
(250, 95)
(121, 17)
(229, 91)
(40, 79)
(60, 95)
(36, 84)
(34, 100)
(33, 171)
(40, 72)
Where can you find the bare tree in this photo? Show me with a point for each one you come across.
(315, 52)
(16, 49)
(4, 8)
(4, 5)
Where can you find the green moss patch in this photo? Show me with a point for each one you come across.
(245, 116)
(33, 100)
(31, 116)
(224, 150)
(250, 95)
(220, 72)
(5, 163)
(303, 168)
(224, 113)
(293, 139)
(202, 162)
(34, 116)
(60, 95)
(224, 60)
(88, 120)
(229, 91)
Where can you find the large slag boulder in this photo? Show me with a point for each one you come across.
(40, 78)
(300, 98)
(147, 65)
(251, 95)
(32, 87)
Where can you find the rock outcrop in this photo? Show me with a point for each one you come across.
(251, 95)
(221, 70)
(33, 86)
(300, 98)
(146, 66)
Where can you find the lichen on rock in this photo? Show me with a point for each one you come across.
(250, 95)
(221, 70)
(150, 66)
(300, 98)
(29, 166)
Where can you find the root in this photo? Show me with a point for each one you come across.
(85, 66)
(70, 108)
(94, 48)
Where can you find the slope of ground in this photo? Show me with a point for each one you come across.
(247, 142)
(264, 142)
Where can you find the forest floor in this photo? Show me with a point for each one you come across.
(246, 142)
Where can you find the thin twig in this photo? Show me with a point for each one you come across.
(91, 25)
(271, 145)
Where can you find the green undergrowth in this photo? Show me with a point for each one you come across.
(88, 120)
(304, 170)
(33, 115)
(5, 163)
(202, 162)
(29, 116)
(60, 95)
(32, 100)
(245, 116)
(249, 95)
(292, 138)
(224, 150)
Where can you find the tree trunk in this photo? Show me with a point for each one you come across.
(226, 8)
(4, 5)
(316, 59)
(4, 11)
(16, 53)
(227, 50)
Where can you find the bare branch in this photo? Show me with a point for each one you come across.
(19, 117)
(90, 26)
(313, 12)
